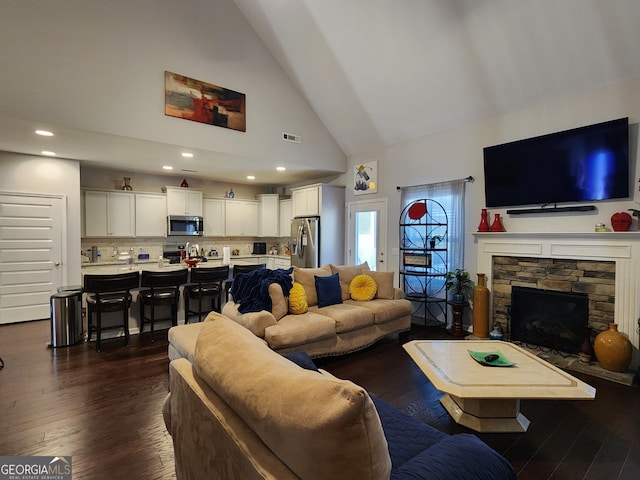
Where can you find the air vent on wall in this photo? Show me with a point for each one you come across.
(290, 137)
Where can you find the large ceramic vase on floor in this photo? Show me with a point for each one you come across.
(481, 308)
(613, 350)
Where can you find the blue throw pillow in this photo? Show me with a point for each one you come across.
(328, 290)
(302, 359)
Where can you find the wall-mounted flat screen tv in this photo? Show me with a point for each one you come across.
(579, 165)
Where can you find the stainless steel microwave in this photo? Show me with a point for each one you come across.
(185, 225)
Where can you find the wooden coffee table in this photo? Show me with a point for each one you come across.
(487, 399)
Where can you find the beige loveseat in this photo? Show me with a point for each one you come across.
(330, 330)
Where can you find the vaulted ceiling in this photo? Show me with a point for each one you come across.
(379, 72)
(375, 72)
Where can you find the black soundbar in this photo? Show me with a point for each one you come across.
(582, 208)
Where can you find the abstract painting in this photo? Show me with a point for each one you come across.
(365, 178)
(203, 102)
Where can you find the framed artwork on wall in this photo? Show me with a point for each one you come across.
(365, 178)
(204, 102)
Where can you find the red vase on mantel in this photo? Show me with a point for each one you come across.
(484, 221)
(496, 226)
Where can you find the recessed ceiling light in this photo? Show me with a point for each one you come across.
(281, 169)
(250, 177)
(167, 167)
(48, 153)
(44, 133)
(187, 154)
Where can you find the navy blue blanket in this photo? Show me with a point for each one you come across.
(251, 290)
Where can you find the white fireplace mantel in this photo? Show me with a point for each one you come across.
(623, 248)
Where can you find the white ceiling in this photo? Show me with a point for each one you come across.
(380, 72)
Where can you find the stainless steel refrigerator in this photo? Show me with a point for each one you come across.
(316, 241)
(305, 238)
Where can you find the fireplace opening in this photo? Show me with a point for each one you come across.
(549, 318)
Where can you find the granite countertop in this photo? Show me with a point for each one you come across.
(114, 266)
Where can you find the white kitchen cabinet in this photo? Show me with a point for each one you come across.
(281, 263)
(151, 215)
(214, 217)
(286, 214)
(184, 201)
(268, 215)
(306, 201)
(241, 218)
(318, 200)
(109, 214)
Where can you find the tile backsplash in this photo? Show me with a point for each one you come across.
(109, 247)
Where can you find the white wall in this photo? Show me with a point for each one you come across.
(99, 66)
(101, 178)
(458, 153)
(40, 175)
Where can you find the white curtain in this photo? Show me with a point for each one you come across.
(450, 195)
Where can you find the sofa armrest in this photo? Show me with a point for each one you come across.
(255, 322)
(397, 294)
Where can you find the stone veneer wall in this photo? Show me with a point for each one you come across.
(595, 278)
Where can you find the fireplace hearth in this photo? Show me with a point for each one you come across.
(604, 265)
(546, 318)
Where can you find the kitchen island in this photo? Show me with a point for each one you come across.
(115, 267)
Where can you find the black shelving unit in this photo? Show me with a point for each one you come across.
(424, 260)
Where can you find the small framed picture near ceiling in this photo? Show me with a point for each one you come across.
(203, 102)
(365, 178)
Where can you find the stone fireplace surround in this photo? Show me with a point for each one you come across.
(622, 248)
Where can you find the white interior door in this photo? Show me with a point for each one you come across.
(368, 233)
(31, 240)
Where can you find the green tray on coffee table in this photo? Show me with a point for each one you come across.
(500, 361)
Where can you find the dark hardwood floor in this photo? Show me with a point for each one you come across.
(104, 409)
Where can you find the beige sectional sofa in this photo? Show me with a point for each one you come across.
(238, 410)
(329, 330)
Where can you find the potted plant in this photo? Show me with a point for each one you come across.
(433, 241)
(459, 281)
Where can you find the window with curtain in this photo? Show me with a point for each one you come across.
(450, 195)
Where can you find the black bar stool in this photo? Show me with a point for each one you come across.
(109, 293)
(204, 283)
(160, 288)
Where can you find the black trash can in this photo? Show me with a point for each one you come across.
(66, 318)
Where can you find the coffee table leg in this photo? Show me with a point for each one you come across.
(486, 415)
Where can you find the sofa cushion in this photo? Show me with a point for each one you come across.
(279, 303)
(318, 426)
(306, 277)
(347, 316)
(363, 288)
(182, 340)
(347, 272)
(384, 280)
(256, 322)
(298, 299)
(328, 290)
(384, 310)
(293, 330)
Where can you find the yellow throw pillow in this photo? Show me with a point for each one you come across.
(297, 299)
(363, 288)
